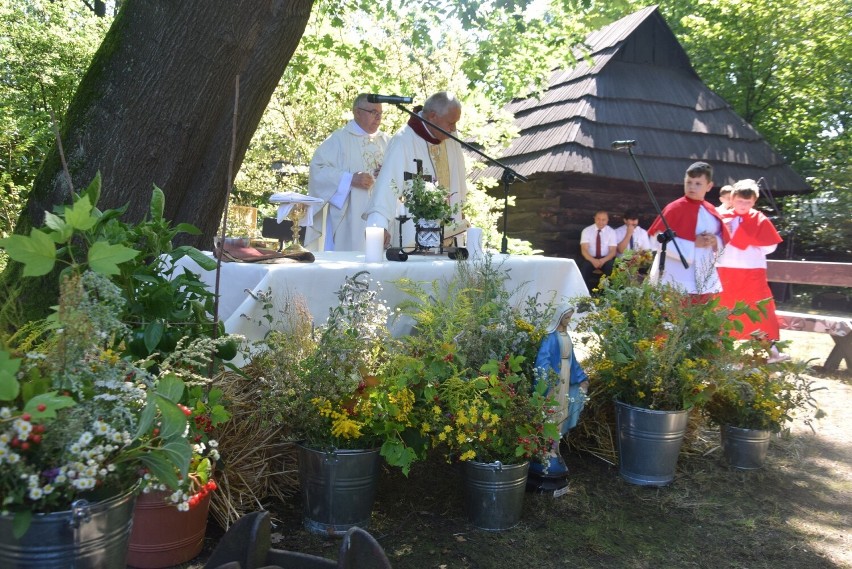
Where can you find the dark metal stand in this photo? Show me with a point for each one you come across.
(668, 234)
(509, 175)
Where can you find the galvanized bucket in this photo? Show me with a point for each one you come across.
(338, 488)
(89, 536)
(744, 449)
(648, 443)
(494, 494)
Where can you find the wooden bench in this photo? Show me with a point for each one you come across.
(824, 274)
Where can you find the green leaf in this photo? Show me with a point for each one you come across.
(204, 261)
(93, 190)
(180, 454)
(171, 387)
(63, 230)
(9, 386)
(37, 252)
(397, 454)
(79, 216)
(172, 419)
(204, 470)
(158, 463)
(21, 523)
(153, 334)
(218, 415)
(187, 228)
(158, 204)
(146, 418)
(104, 258)
(52, 403)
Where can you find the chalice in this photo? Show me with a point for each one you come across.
(297, 213)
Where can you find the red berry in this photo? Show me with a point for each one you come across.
(26, 416)
(41, 407)
(25, 445)
(211, 485)
(35, 438)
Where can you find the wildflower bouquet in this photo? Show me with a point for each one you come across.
(205, 410)
(471, 360)
(78, 415)
(651, 346)
(427, 201)
(755, 395)
(77, 420)
(495, 416)
(328, 385)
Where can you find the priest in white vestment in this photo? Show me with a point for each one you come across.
(343, 170)
(439, 157)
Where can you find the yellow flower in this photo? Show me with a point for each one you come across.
(344, 427)
(467, 455)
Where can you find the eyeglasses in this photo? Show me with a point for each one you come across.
(376, 114)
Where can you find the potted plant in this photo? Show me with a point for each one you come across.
(80, 420)
(754, 399)
(169, 524)
(472, 359)
(656, 353)
(494, 423)
(326, 386)
(80, 424)
(429, 204)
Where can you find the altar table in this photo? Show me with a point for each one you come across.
(318, 282)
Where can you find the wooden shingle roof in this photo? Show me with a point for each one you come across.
(637, 83)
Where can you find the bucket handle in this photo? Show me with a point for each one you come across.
(80, 513)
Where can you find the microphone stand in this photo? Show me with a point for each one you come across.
(668, 234)
(509, 175)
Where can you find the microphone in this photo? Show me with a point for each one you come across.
(622, 144)
(393, 99)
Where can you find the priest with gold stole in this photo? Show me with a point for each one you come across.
(419, 148)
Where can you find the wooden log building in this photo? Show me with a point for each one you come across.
(636, 83)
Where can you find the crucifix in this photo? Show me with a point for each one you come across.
(419, 167)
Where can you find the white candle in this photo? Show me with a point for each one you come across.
(474, 242)
(375, 245)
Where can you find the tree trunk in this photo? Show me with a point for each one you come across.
(156, 106)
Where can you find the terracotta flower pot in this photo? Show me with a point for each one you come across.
(164, 536)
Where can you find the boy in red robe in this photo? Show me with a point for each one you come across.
(742, 265)
(700, 234)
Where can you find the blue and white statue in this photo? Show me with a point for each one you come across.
(556, 361)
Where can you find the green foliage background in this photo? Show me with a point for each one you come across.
(782, 64)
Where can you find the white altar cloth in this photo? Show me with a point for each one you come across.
(556, 279)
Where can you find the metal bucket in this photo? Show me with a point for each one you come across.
(338, 489)
(494, 494)
(745, 449)
(89, 536)
(648, 443)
